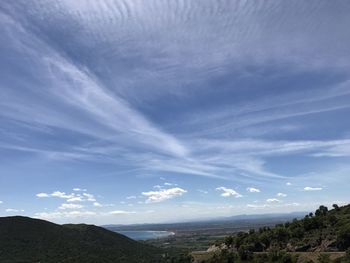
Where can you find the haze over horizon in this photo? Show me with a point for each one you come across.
(161, 111)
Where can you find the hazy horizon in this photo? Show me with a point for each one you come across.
(165, 111)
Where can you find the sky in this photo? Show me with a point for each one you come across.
(166, 111)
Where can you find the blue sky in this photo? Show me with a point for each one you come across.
(162, 111)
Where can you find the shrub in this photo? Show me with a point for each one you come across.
(324, 258)
(344, 237)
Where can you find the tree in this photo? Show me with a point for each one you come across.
(321, 211)
(297, 232)
(332, 219)
(245, 252)
(229, 241)
(281, 234)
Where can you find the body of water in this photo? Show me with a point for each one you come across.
(145, 235)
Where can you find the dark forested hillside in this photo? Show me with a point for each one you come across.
(25, 239)
(322, 231)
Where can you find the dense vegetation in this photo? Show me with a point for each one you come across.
(24, 239)
(324, 231)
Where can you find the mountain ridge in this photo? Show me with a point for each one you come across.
(24, 239)
(283, 216)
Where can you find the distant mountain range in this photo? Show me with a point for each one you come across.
(265, 216)
(24, 239)
(239, 219)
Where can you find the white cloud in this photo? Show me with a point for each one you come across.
(61, 195)
(1, 202)
(281, 195)
(253, 190)
(40, 195)
(163, 194)
(57, 194)
(257, 206)
(121, 212)
(97, 204)
(273, 200)
(65, 214)
(79, 190)
(10, 210)
(70, 206)
(308, 188)
(227, 192)
(131, 197)
(90, 197)
(272, 205)
(75, 199)
(72, 197)
(288, 183)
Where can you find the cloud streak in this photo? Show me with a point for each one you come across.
(308, 188)
(236, 92)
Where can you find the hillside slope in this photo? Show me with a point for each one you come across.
(24, 239)
(322, 231)
(325, 234)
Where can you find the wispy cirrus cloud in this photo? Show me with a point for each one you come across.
(272, 205)
(79, 190)
(70, 206)
(113, 86)
(12, 210)
(121, 212)
(308, 188)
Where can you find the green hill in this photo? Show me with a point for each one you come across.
(325, 233)
(24, 239)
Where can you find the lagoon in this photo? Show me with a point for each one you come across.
(145, 235)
